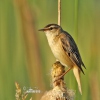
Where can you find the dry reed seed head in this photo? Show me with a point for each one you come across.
(18, 91)
(58, 69)
(19, 95)
(57, 94)
(59, 91)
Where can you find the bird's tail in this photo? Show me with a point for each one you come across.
(77, 76)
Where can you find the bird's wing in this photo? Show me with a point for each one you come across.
(70, 47)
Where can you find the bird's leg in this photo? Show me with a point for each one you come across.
(66, 72)
(63, 74)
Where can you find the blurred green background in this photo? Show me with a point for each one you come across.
(25, 56)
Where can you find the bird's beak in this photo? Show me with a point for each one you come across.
(41, 29)
(44, 29)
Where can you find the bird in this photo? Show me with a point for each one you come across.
(65, 50)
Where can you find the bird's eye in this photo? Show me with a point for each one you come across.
(51, 28)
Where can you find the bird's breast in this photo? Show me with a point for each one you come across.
(58, 51)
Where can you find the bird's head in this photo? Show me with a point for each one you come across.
(52, 29)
